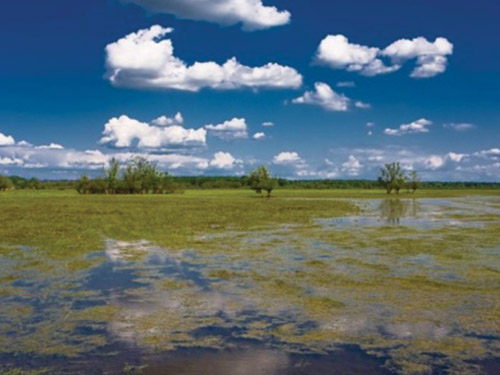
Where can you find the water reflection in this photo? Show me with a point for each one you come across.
(244, 307)
(393, 210)
(416, 213)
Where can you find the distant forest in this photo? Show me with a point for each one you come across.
(231, 182)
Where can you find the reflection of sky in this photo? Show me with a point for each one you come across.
(415, 213)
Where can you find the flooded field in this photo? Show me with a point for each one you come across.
(401, 286)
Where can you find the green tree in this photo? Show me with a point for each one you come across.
(260, 180)
(400, 182)
(111, 176)
(34, 184)
(414, 182)
(142, 176)
(82, 185)
(5, 184)
(392, 177)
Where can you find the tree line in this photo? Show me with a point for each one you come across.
(142, 176)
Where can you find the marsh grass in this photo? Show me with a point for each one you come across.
(420, 297)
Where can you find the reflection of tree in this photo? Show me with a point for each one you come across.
(393, 210)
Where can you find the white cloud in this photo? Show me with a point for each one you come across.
(259, 136)
(288, 158)
(252, 14)
(6, 161)
(337, 52)
(415, 127)
(169, 121)
(24, 144)
(125, 132)
(346, 84)
(431, 57)
(455, 157)
(492, 153)
(370, 124)
(352, 166)
(362, 105)
(434, 162)
(324, 97)
(145, 60)
(268, 124)
(224, 160)
(460, 127)
(6, 140)
(231, 129)
(51, 146)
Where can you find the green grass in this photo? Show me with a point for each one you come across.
(68, 223)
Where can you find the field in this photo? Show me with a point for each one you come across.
(408, 284)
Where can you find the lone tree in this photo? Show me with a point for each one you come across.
(392, 177)
(260, 180)
(414, 182)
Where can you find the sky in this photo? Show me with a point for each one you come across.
(317, 89)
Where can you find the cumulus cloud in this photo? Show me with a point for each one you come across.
(224, 160)
(415, 127)
(460, 127)
(324, 97)
(145, 60)
(352, 166)
(430, 58)
(288, 158)
(252, 14)
(259, 136)
(125, 132)
(169, 121)
(235, 128)
(6, 140)
(268, 124)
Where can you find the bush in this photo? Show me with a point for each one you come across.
(6, 184)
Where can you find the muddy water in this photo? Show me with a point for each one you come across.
(352, 295)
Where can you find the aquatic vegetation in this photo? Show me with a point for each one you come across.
(420, 297)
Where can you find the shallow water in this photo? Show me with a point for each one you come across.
(384, 292)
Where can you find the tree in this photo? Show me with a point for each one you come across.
(400, 182)
(260, 180)
(392, 177)
(33, 184)
(5, 184)
(143, 176)
(111, 176)
(414, 182)
(82, 185)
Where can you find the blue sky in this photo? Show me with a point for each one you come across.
(347, 86)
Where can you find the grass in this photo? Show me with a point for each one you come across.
(68, 223)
